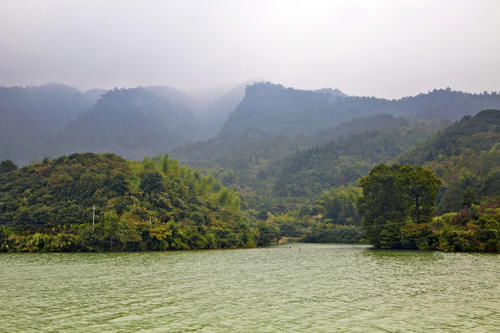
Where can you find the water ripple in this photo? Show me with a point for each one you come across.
(322, 288)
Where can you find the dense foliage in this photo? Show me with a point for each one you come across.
(150, 205)
(345, 160)
(394, 195)
(466, 157)
(276, 183)
(331, 218)
(397, 208)
(474, 228)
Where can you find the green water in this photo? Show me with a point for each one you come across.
(305, 288)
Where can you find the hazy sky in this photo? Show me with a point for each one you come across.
(380, 48)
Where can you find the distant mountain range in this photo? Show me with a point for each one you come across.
(54, 119)
(276, 110)
(29, 116)
(130, 122)
(269, 113)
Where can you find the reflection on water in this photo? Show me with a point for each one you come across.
(302, 287)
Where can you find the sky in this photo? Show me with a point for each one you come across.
(377, 48)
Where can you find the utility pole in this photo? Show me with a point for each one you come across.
(93, 218)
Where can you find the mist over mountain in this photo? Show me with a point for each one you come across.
(277, 110)
(281, 147)
(267, 118)
(94, 94)
(216, 113)
(30, 115)
(286, 147)
(270, 115)
(133, 122)
(175, 97)
(55, 119)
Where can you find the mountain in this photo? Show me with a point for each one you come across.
(465, 156)
(55, 119)
(276, 121)
(261, 120)
(314, 192)
(134, 123)
(30, 115)
(276, 110)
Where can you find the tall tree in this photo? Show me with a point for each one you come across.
(419, 188)
(395, 195)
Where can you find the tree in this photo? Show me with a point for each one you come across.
(338, 205)
(419, 188)
(120, 228)
(381, 201)
(152, 182)
(119, 184)
(7, 166)
(469, 197)
(266, 233)
(393, 196)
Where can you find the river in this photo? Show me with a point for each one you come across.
(290, 288)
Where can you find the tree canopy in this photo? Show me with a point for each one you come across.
(394, 195)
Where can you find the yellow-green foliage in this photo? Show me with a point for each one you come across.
(472, 229)
(155, 204)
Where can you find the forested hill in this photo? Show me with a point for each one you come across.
(345, 160)
(273, 174)
(240, 149)
(133, 123)
(465, 156)
(476, 133)
(276, 110)
(30, 115)
(149, 205)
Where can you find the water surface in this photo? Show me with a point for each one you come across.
(303, 288)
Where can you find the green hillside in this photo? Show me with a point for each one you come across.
(345, 160)
(465, 156)
(149, 205)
